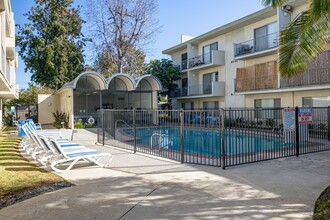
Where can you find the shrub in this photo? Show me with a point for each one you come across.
(270, 121)
(60, 117)
(79, 124)
(8, 120)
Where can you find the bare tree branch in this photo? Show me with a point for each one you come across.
(122, 29)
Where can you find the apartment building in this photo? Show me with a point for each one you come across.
(8, 55)
(235, 65)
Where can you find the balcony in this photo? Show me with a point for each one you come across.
(257, 77)
(214, 89)
(12, 93)
(183, 66)
(257, 47)
(317, 73)
(3, 58)
(208, 60)
(10, 48)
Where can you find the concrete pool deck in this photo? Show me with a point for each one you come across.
(138, 186)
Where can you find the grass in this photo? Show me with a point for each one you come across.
(322, 206)
(17, 174)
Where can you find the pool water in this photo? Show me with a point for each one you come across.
(204, 142)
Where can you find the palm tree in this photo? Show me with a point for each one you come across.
(305, 37)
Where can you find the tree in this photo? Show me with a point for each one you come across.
(305, 38)
(51, 43)
(122, 29)
(166, 72)
(133, 63)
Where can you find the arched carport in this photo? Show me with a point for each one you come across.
(148, 83)
(87, 97)
(90, 91)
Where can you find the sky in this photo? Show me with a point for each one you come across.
(176, 17)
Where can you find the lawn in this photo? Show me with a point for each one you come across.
(18, 175)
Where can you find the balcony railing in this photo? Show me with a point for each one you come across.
(256, 45)
(200, 60)
(193, 91)
(178, 92)
(216, 88)
(200, 90)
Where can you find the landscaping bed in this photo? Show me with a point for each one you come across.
(322, 206)
(19, 178)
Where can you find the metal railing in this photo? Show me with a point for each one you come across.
(179, 92)
(256, 45)
(200, 60)
(193, 91)
(224, 137)
(200, 90)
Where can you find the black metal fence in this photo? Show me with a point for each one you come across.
(224, 137)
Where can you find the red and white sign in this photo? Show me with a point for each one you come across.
(305, 115)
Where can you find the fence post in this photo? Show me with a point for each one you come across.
(328, 119)
(103, 132)
(297, 131)
(134, 125)
(229, 118)
(223, 154)
(182, 134)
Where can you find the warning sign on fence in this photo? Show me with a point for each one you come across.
(304, 115)
(289, 119)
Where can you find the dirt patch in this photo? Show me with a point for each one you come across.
(29, 193)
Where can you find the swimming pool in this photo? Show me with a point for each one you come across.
(204, 142)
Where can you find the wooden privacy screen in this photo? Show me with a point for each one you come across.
(257, 77)
(318, 72)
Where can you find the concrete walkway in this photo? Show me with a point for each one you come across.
(143, 187)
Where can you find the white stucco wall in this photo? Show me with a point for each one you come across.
(46, 106)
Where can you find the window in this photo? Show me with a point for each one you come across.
(268, 103)
(207, 55)
(188, 106)
(216, 76)
(184, 59)
(211, 105)
(207, 83)
(321, 101)
(184, 87)
(265, 37)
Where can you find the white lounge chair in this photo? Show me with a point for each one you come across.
(64, 157)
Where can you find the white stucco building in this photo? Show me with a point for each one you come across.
(8, 55)
(235, 65)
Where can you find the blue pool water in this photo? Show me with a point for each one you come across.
(204, 142)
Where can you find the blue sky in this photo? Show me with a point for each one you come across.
(189, 17)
